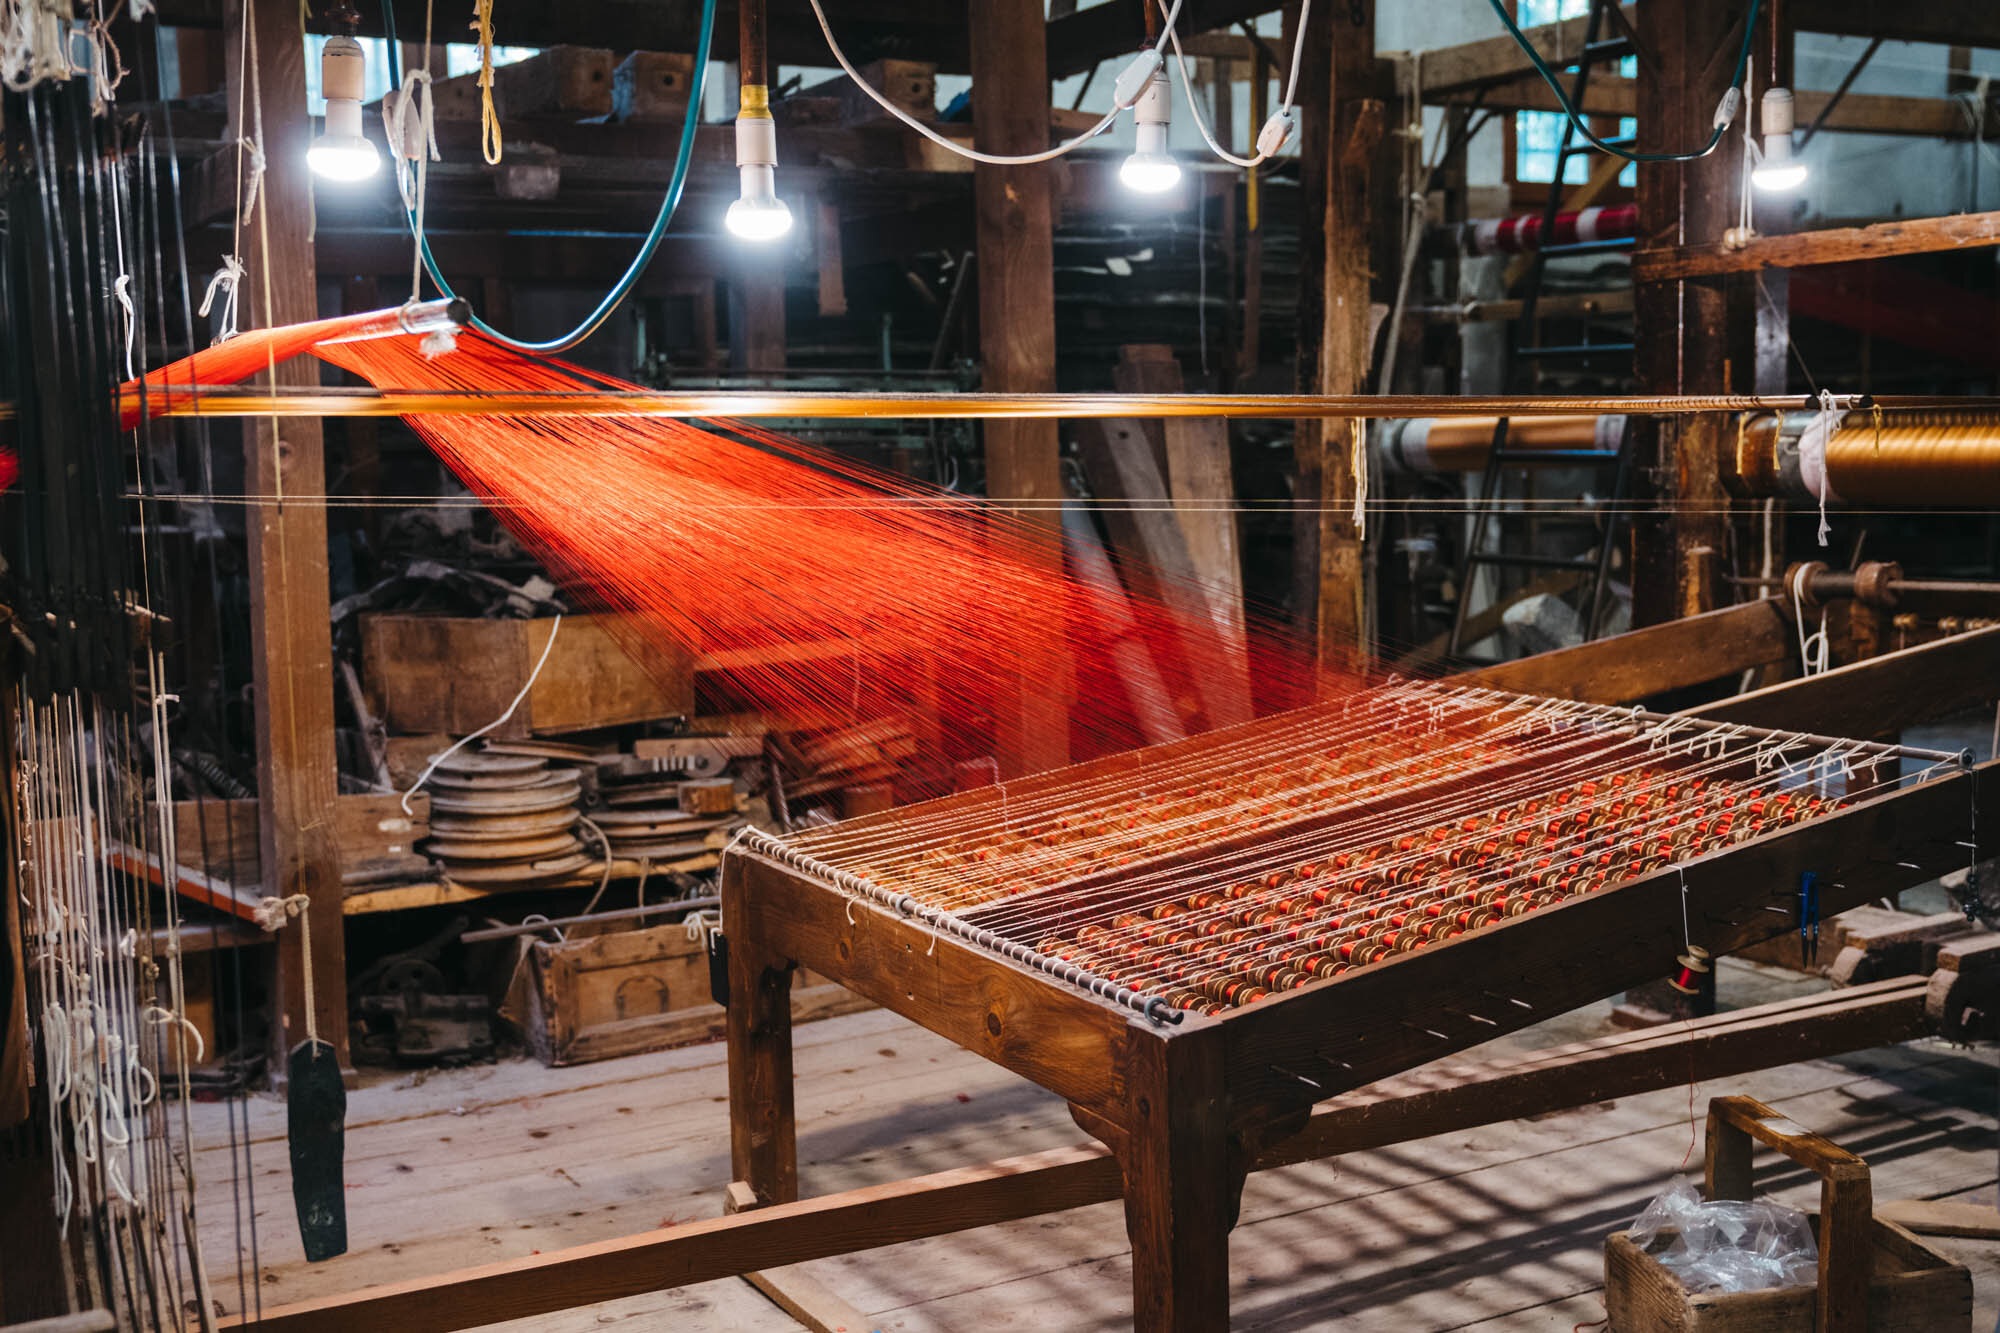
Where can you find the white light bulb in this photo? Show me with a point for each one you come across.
(1150, 173)
(343, 160)
(758, 218)
(1151, 169)
(1779, 177)
(342, 152)
(1777, 169)
(758, 214)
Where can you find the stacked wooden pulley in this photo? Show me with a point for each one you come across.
(647, 817)
(507, 814)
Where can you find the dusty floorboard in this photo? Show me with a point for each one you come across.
(1495, 1228)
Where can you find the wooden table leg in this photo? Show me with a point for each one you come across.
(1180, 1190)
(763, 1138)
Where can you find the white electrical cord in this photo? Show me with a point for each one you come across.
(464, 741)
(1131, 83)
(1275, 131)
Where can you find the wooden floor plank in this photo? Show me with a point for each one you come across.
(1498, 1227)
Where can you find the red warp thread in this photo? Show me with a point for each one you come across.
(926, 627)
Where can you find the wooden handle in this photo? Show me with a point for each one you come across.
(1846, 1202)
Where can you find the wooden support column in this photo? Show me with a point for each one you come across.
(1684, 326)
(290, 640)
(757, 309)
(1017, 328)
(1341, 117)
(763, 1134)
(1180, 1191)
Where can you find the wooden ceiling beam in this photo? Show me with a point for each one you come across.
(867, 29)
(1869, 113)
(1078, 41)
(1499, 59)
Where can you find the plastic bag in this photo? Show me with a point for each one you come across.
(1728, 1245)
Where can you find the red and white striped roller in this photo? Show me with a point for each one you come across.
(1522, 233)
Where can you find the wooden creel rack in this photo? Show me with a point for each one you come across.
(1188, 1104)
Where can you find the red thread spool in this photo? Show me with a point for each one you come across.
(1693, 964)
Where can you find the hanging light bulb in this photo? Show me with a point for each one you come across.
(1151, 168)
(758, 214)
(1776, 168)
(342, 152)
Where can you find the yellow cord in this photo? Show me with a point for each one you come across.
(489, 123)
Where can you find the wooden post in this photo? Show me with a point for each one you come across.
(1017, 326)
(1684, 337)
(1685, 334)
(291, 645)
(1180, 1191)
(1341, 115)
(763, 1135)
(757, 310)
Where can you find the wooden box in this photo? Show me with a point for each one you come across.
(560, 82)
(454, 675)
(1911, 1289)
(1873, 1274)
(635, 990)
(377, 840)
(652, 85)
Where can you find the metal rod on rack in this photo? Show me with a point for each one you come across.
(337, 402)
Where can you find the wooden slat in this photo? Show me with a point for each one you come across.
(1830, 245)
(1868, 113)
(1077, 41)
(1067, 1041)
(1442, 1100)
(1942, 1217)
(1499, 59)
(1445, 1098)
(1878, 696)
(1644, 662)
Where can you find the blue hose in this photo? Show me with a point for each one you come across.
(675, 186)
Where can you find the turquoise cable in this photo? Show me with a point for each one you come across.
(1576, 117)
(676, 185)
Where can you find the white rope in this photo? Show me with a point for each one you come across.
(952, 145)
(270, 913)
(253, 178)
(34, 43)
(122, 290)
(1813, 648)
(1194, 106)
(700, 924)
(1812, 456)
(1357, 463)
(533, 676)
(225, 281)
(413, 159)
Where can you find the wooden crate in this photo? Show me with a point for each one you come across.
(1873, 1274)
(635, 990)
(1912, 1289)
(652, 85)
(454, 675)
(560, 82)
(377, 840)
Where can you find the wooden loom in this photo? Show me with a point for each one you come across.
(1446, 1096)
(1188, 1101)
